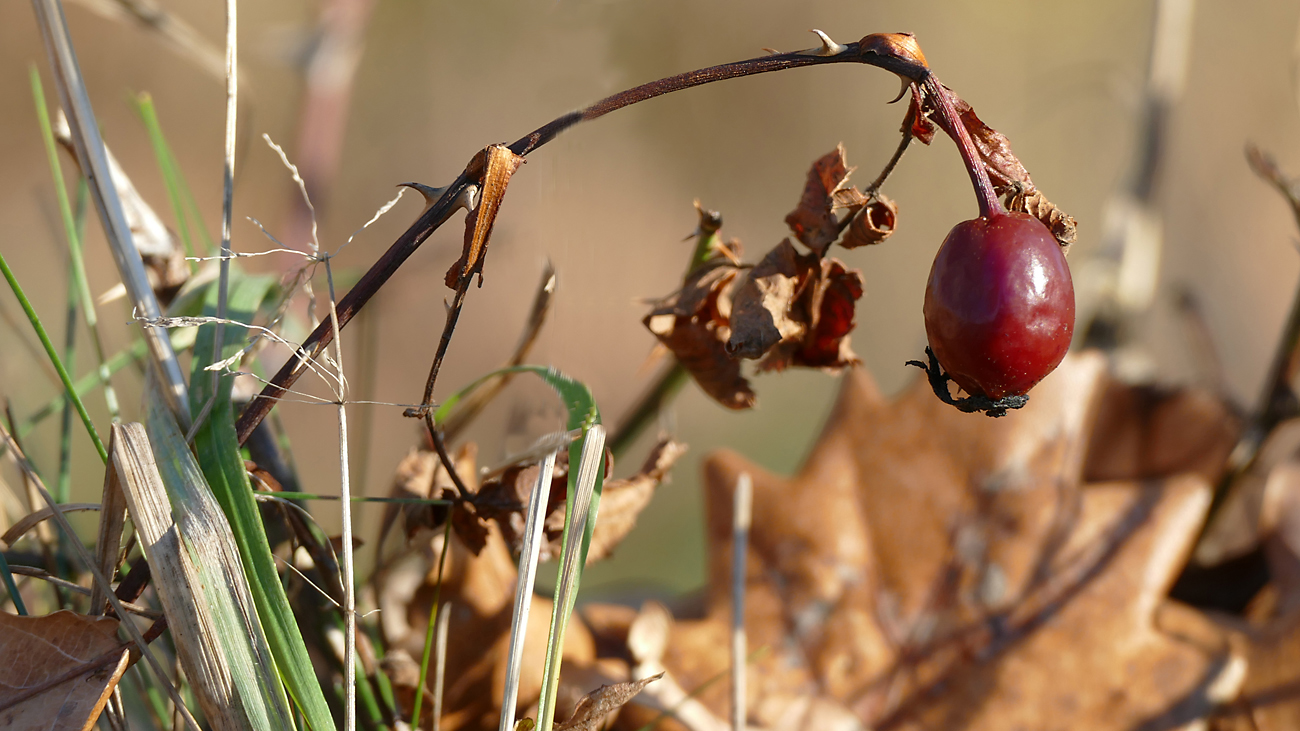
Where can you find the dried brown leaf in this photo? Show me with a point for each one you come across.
(693, 324)
(496, 163)
(1144, 432)
(469, 527)
(599, 703)
(1114, 668)
(1009, 177)
(917, 121)
(481, 591)
(59, 672)
(813, 221)
(829, 304)
(761, 316)
(1033, 202)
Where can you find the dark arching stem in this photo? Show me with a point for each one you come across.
(439, 211)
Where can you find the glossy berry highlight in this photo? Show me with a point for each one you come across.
(999, 306)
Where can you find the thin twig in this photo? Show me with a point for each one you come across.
(42, 574)
(345, 494)
(93, 161)
(429, 631)
(227, 204)
(889, 166)
(440, 664)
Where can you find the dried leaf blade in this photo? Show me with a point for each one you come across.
(599, 703)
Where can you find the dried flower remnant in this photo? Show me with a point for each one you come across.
(872, 224)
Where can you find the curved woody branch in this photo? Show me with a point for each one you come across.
(894, 52)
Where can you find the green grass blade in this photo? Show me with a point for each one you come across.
(63, 484)
(577, 398)
(583, 414)
(433, 621)
(10, 586)
(582, 504)
(284, 495)
(73, 227)
(167, 167)
(207, 539)
(54, 357)
(223, 466)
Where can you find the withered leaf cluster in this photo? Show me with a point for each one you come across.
(789, 309)
(502, 499)
(479, 581)
(1009, 177)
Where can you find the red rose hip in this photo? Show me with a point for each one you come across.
(999, 307)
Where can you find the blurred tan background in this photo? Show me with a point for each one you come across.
(609, 202)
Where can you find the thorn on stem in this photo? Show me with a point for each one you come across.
(828, 47)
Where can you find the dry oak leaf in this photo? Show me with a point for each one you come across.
(694, 324)
(59, 670)
(907, 521)
(1270, 695)
(1269, 699)
(1252, 506)
(1095, 657)
(1144, 431)
(929, 570)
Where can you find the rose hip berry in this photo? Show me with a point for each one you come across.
(999, 306)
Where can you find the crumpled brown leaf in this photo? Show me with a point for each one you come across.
(420, 475)
(790, 309)
(761, 313)
(828, 305)
(814, 221)
(44, 683)
(694, 323)
(504, 499)
(496, 163)
(795, 309)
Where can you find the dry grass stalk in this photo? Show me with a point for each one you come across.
(92, 159)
